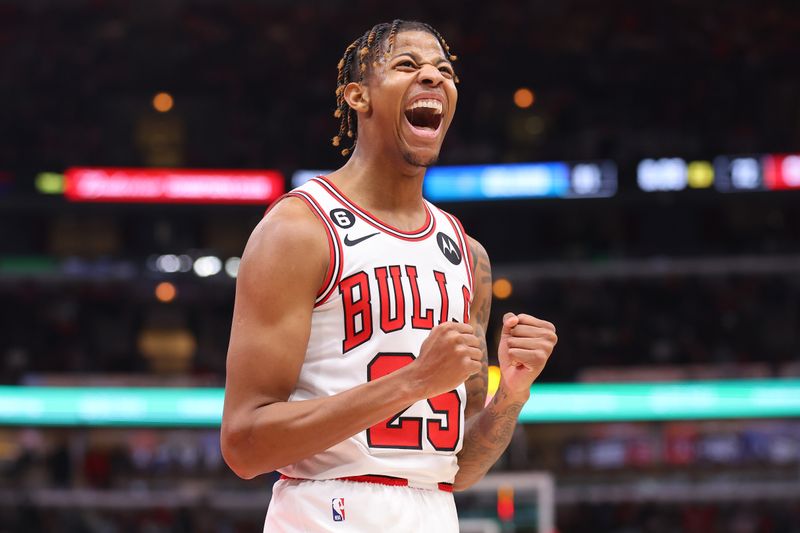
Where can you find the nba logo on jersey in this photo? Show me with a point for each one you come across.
(337, 506)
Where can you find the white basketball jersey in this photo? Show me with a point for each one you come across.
(383, 293)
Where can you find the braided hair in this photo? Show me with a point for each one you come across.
(363, 53)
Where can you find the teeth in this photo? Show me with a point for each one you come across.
(436, 105)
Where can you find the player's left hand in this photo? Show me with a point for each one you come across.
(526, 343)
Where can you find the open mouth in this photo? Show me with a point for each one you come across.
(425, 115)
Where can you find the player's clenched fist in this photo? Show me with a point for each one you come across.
(449, 355)
(526, 343)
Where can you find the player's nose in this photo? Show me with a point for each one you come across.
(430, 75)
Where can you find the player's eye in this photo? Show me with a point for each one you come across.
(447, 71)
(407, 64)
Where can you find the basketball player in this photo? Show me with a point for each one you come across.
(357, 364)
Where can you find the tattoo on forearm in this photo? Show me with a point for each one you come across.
(488, 436)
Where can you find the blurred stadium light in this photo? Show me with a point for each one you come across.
(550, 402)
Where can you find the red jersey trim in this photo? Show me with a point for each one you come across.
(336, 260)
(381, 480)
(466, 251)
(417, 235)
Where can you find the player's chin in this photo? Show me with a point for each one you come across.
(421, 157)
(421, 146)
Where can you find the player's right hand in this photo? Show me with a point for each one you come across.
(450, 355)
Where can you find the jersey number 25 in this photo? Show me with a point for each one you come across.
(405, 432)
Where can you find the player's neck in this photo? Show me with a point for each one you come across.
(383, 186)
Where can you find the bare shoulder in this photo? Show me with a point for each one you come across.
(290, 222)
(290, 237)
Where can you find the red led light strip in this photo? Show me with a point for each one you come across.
(169, 185)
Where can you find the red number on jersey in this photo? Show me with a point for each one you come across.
(405, 432)
(449, 404)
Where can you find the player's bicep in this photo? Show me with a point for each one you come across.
(281, 271)
(479, 319)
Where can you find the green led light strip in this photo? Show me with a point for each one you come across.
(768, 398)
(107, 406)
(90, 406)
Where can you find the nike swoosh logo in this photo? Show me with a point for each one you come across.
(348, 242)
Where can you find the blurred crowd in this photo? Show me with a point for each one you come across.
(721, 321)
(742, 325)
(254, 82)
(699, 517)
(113, 328)
(634, 517)
(122, 459)
(172, 480)
(581, 455)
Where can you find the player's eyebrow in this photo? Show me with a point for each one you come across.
(418, 59)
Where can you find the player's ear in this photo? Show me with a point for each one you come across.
(357, 97)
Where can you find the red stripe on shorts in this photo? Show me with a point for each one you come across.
(381, 480)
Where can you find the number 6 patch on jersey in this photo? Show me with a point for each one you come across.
(337, 506)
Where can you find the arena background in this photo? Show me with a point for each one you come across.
(655, 224)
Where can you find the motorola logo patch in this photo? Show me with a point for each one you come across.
(342, 218)
(449, 248)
